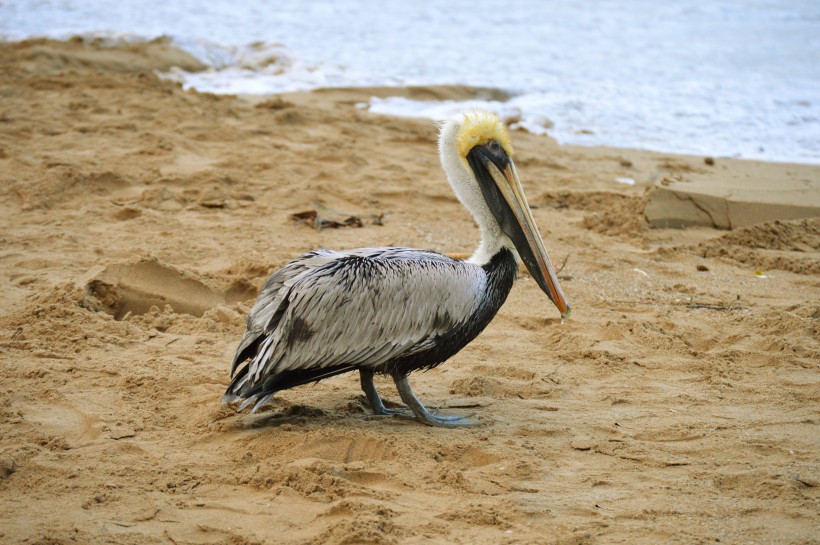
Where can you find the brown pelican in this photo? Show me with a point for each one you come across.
(396, 310)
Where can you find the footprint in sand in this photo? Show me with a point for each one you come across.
(139, 284)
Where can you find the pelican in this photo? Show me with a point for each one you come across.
(396, 310)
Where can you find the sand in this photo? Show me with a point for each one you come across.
(746, 194)
(137, 220)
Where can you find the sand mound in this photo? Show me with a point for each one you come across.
(44, 56)
(790, 236)
(746, 196)
(786, 245)
(606, 212)
(416, 92)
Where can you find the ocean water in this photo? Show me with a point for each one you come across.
(738, 78)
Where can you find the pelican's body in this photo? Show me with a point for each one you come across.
(396, 310)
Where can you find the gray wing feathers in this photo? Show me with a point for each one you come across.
(362, 307)
(266, 312)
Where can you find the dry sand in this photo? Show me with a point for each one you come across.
(137, 220)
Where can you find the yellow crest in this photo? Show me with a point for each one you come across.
(479, 128)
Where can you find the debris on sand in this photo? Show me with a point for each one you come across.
(312, 218)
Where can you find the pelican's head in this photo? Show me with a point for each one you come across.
(476, 152)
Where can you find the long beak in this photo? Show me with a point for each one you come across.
(506, 200)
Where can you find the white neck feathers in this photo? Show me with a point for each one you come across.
(467, 190)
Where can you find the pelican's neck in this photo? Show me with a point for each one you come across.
(466, 188)
(492, 242)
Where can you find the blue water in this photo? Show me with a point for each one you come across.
(723, 78)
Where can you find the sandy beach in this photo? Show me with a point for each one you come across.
(679, 404)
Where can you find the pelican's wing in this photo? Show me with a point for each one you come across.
(329, 312)
(267, 311)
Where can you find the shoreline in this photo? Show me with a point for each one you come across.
(171, 60)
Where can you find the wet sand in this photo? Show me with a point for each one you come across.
(138, 220)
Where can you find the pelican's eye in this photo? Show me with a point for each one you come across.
(495, 146)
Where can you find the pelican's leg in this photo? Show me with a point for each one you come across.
(369, 387)
(421, 412)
